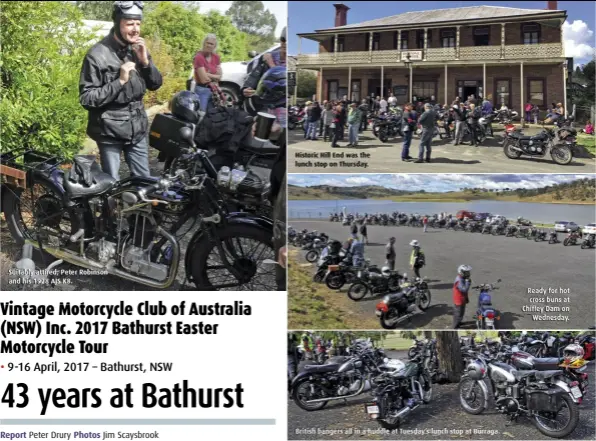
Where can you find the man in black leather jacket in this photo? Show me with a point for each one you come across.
(115, 75)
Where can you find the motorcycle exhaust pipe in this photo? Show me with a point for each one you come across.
(358, 392)
(517, 149)
(77, 260)
(406, 410)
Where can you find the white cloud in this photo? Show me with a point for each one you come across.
(279, 9)
(578, 38)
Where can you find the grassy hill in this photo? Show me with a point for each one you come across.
(581, 191)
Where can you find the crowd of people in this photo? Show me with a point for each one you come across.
(330, 119)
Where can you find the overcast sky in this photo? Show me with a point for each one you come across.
(434, 183)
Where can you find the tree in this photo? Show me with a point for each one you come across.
(94, 10)
(449, 354)
(259, 23)
(306, 81)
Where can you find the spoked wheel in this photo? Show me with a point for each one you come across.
(561, 423)
(312, 256)
(357, 291)
(389, 319)
(245, 248)
(423, 301)
(306, 391)
(471, 396)
(37, 209)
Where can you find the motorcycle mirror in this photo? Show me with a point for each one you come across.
(498, 280)
(252, 54)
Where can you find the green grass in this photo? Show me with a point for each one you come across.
(312, 305)
(395, 342)
(587, 141)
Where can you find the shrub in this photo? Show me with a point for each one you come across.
(43, 45)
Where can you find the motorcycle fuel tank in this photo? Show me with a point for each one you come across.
(501, 372)
(349, 365)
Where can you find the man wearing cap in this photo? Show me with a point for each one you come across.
(427, 121)
(115, 75)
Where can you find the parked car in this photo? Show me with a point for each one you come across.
(233, 74)
(461, 214)
(589, 229)
(566, 226)
(497, 218)
(481, 216)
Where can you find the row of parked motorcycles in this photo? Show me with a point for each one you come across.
(549, 391)
(522, 229)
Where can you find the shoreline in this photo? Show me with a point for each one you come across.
(438, 199)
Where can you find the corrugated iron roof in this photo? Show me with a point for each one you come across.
(446, 15)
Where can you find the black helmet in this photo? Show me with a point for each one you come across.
(272, 87)
(127, 10)
(185, 105)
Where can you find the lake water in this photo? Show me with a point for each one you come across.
(536, 212)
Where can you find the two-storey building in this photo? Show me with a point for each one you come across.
(510, 55)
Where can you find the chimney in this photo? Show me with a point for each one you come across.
(551, 6)
(341, 14)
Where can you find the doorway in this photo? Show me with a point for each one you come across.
(469, 90)
(374, 87)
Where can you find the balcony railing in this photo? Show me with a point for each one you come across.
(474, 53)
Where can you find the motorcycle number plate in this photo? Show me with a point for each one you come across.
(372, 409)
(576, 392)
(378, 313)
(489, 322)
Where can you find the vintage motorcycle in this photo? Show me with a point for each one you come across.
(398, 390)
(132, 228)
(373, 282)
(394, 306)
(339, 378)
(572, 238)
(589, 241)
(539, 395)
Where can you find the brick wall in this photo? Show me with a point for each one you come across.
(552, 74)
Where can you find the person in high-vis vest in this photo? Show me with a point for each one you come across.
(461, 288)
(308, 344)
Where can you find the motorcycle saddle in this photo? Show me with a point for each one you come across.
(320, 368)
(86, 178)
(261, 148)
(546, 364)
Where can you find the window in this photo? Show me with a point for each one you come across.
(376, 43)
(481, 36)
(424, 90)
(531, 33)
(404, 40)
(420, 39)
(332, 90)
(536, 88)
(355, 91)
(448, 38)
(502, 93)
